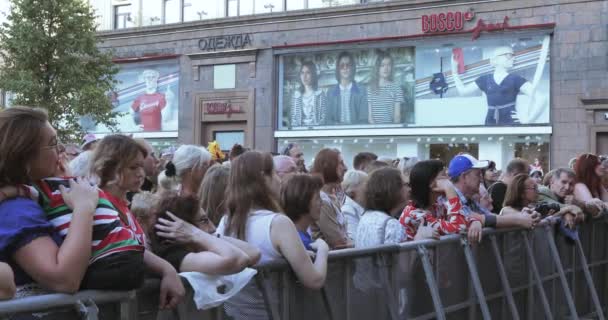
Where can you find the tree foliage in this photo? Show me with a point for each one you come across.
(50, 59)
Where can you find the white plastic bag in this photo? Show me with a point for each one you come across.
(206, 293)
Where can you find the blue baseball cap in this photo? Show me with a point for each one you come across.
(464, 162)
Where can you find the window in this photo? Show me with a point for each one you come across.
(195, 10)
(296, 4)
(268, 6)
(151, 13)
(122, 17)
(243, 7)
(246, 7)
(233, 8)
(224, 76)
(227, 139)
(172, 11)
(445, 152)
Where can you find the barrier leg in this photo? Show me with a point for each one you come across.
(538, 279)
(562, 274)
(348, 276)
(430, 281)
(273, 312)
(485, 311)
(503, 278)
(594, 297)
(286, 283)
(326, 304)
(128, 308)
(388, 286)
(88, 310)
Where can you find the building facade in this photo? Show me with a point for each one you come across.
(420, 78)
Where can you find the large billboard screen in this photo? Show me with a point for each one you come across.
(493, 81)
(146, 99)
(345, 88)
(487, 82)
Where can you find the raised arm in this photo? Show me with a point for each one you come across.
(463, 90)
(284, 237)
(592, 205)
(215, 255)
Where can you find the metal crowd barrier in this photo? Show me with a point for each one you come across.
(511, 274)
(88, 304)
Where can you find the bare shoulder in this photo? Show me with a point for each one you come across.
(281, 221)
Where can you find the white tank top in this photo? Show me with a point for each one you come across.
(257, 233)
(248, 304)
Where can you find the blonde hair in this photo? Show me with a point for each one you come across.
(353, 179)
(143, 203)
(188, 157)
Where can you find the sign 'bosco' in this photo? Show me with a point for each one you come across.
(232, 41)
(222, 108)
(442, 22)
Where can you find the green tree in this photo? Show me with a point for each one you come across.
(50, 59)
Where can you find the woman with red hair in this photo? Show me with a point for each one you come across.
(589, 190)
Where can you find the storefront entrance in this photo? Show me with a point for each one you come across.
(224, 116)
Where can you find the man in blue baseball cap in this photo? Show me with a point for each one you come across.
(467, 164)
(465, 173)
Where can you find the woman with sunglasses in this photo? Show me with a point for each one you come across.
(588, 189)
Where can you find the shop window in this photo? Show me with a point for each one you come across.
(534, 152)
(224, 76)
(172, 11)
(122, 17)
(227, 139)
(445, 152)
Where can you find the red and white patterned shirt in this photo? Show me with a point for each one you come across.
(444, 217)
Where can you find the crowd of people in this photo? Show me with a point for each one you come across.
(105, 214)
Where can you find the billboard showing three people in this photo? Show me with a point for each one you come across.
(146, 99)
(487, 82)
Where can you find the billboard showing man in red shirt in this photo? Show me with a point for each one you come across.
(147, 107)
(145, 99)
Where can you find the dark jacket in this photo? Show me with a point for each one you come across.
(357, 105)
(546, 195)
